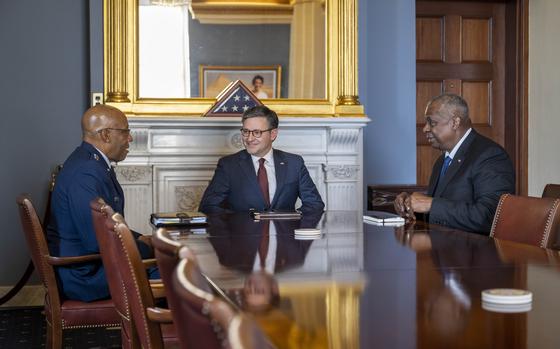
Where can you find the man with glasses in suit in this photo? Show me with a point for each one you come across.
(86, 175)
(260, 177)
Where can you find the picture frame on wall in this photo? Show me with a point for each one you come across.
(264, 81)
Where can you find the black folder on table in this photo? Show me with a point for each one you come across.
(178, 218)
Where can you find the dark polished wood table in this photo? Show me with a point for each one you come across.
(366, 286)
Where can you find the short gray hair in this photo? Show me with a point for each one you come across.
(456, 104)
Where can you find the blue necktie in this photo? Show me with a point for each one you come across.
(445, 166)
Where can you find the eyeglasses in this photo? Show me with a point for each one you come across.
(256, 133)
(123, 130)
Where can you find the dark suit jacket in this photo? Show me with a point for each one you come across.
(236, 238)
(84, 177)
(234, 186)
(467, 196)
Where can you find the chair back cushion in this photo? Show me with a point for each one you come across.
(191, 313)
(37, 244)
(102, 223)
(166, 251)
(126, 274)
(232, 329)
(244, 333)
(528, 220)
(551, 191)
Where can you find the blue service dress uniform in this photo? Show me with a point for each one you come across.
(84, 176)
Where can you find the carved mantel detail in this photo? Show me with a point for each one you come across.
(236, 141)
(188, 197)
(344, 172)
(134, 173)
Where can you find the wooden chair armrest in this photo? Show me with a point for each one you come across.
(151, 262)
(158, 289)
(159, 315)
(58, 261)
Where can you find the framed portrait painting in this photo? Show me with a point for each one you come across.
(263, 81)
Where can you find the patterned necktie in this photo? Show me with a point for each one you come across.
(263, 246)
(262, 178)
(445, 166)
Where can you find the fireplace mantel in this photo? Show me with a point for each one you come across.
(172, 160)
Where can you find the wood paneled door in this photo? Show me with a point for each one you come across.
(462, 47)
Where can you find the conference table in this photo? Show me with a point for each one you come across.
(359, 285)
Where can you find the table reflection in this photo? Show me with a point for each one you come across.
(309, 296)
(453, 268)
(366, 286)
(238, 242)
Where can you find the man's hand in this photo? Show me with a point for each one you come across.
(403, 206)
(421, 203)
(407, 204)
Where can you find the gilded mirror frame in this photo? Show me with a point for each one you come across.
(121, 68)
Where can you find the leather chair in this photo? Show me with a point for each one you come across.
(205, 320)
(196, 329)
(61, 314)
(551, 191)
(168, 254)
(143, 324)
(529, 220)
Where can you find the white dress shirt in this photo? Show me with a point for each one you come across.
(270, 172)
(104, 158)
(458, 145)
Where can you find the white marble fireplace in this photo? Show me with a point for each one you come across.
(172, 160)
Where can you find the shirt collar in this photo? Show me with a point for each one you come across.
(458, 145)
(268, 157)
(104, 156)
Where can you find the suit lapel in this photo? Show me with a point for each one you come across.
(118, 187)
(281, 168)
(456, 164)
(435, 175)
(246, 164)
(118, 197)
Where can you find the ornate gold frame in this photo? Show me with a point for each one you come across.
(121, 68)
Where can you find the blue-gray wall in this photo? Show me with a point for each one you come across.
(387, 73)
(96, 45)
(47, 72)
(238, 45)
(44, 83)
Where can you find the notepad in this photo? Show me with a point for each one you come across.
(276, 215)
(383, 218)
(178, 218)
